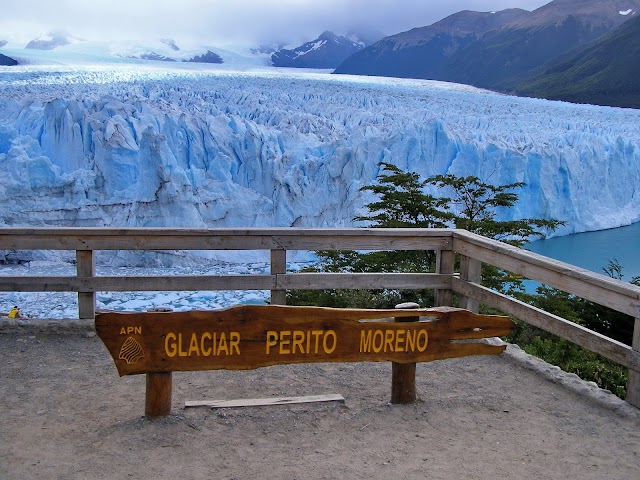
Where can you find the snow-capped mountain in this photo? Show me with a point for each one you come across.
(165, 50)
(364, 35)
(70, 50)
(167, 146)
(170, 43)
(207, 57)
(5, 60)
(266, 48)
(326, 51)
(51, 40)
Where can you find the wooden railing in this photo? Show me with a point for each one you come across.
(473, 250)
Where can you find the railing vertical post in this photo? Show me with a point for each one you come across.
(633, 384)
(86, 267)
(403, 375)
(470, 271)
(278, 266)
(444, 266)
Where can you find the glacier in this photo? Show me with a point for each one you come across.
(145, 144)
(150, 145)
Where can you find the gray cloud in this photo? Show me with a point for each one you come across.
(230, 21)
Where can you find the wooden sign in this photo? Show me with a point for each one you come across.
(252, 336)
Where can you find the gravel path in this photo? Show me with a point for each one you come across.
(65, 414)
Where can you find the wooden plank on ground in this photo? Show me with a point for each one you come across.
(259, 402)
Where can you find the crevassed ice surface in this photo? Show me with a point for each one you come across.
(136, 145)
(59, 305)
(141, 146)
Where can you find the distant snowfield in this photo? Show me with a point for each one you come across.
(245, 145)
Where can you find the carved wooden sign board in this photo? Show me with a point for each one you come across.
(252, 336)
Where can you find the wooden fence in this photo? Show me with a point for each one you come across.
(473, 250)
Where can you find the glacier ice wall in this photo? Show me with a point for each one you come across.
(176, 148)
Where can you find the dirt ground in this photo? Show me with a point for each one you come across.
(65, 414)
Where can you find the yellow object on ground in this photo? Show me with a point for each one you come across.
(14, 312)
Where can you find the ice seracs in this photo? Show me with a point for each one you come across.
(188, 146)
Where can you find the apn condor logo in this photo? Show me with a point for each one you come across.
(131, 351)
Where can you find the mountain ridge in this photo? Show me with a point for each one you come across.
(437, 42)
(326, 51)
(478, 49)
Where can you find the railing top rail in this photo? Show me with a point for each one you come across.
(248, 231)
(79, 238)
(593, 286)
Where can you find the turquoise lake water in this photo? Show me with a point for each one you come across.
(593, 250)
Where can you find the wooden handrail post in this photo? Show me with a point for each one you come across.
(470, 271)
(633, 384)
(278, 266)
(158, 394)
(403, 375)
(444, 265)
(86, 267)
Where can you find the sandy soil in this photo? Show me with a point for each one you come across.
(65, 414)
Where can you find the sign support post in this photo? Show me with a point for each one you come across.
(158, 394)
(403, 375)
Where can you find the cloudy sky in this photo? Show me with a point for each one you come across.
(228, 22)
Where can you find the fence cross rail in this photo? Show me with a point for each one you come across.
(472, 249)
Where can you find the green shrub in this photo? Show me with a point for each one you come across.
(571, 358)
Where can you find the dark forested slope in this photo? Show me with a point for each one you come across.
(605, 72)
